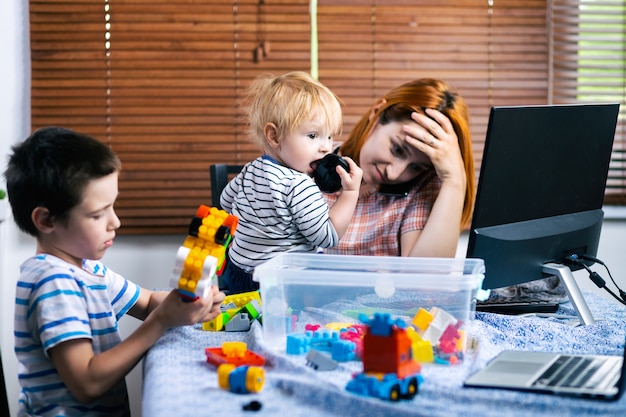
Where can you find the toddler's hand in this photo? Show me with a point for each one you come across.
(350, 181)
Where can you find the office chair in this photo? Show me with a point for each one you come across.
(220, 175)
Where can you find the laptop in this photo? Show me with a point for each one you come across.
(579, 375)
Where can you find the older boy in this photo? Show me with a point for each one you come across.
(62, 186)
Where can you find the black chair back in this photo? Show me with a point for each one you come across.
(220, 175)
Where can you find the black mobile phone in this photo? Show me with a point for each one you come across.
(396, 190)
(325, 173)
(402, 190)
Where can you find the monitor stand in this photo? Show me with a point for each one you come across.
(573, 291)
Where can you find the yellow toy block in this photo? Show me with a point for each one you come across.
(217, 324)
(234, 349)
(240, 300)
(460, 343)
(422, 319)
(423, 351)
(211, 223)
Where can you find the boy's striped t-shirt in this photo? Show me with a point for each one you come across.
(57, 302)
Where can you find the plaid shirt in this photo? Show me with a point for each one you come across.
(379, 220)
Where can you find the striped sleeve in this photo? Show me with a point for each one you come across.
(310, 213)
(56, 307)
(122, 293)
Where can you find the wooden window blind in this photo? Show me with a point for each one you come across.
(492, 53)
(160, 81)
(589, 55)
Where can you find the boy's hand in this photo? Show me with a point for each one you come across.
(174, 312)
(350, 181)
(217, 298)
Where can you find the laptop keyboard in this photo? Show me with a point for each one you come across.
(573, 372)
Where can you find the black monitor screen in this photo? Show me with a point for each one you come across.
(541, 188)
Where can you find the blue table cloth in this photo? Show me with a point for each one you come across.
(178, 382)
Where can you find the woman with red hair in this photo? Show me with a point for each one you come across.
(418, 189)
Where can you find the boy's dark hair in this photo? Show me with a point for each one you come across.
(51, 169)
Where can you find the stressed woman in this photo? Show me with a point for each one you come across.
(415, 150)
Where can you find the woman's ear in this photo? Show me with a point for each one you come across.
(42, 220)
(376, 107)
(271, 135)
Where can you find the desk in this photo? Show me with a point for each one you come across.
(179, 383)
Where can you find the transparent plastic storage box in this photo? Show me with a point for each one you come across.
(307, 288)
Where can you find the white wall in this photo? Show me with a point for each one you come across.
(14, 121)
(147, 260)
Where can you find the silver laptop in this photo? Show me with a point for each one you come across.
(589, 376)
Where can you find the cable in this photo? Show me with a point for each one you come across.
(590, 258)
(598, 261)
(595, 277)
(622, 293)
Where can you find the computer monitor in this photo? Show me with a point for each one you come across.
(540, 193)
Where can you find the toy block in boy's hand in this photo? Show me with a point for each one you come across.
(203, 254)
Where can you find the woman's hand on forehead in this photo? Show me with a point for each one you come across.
(434, 135)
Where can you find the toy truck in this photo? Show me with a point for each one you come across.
(384, 386)
(390, 371)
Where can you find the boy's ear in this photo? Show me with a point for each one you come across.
(42, 220)
(271, 135)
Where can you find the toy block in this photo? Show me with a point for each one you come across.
(217, 324)
(203, 253)
(242, 379)
(237, 354)
(240, 322)
(253, 309)
(441, 318)
(323, 340)
(380, 324)
(234, 349)
(240, 300)
(423, 351)
(343, 350)
(298, 343)
(422, 319)
(320, 361)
